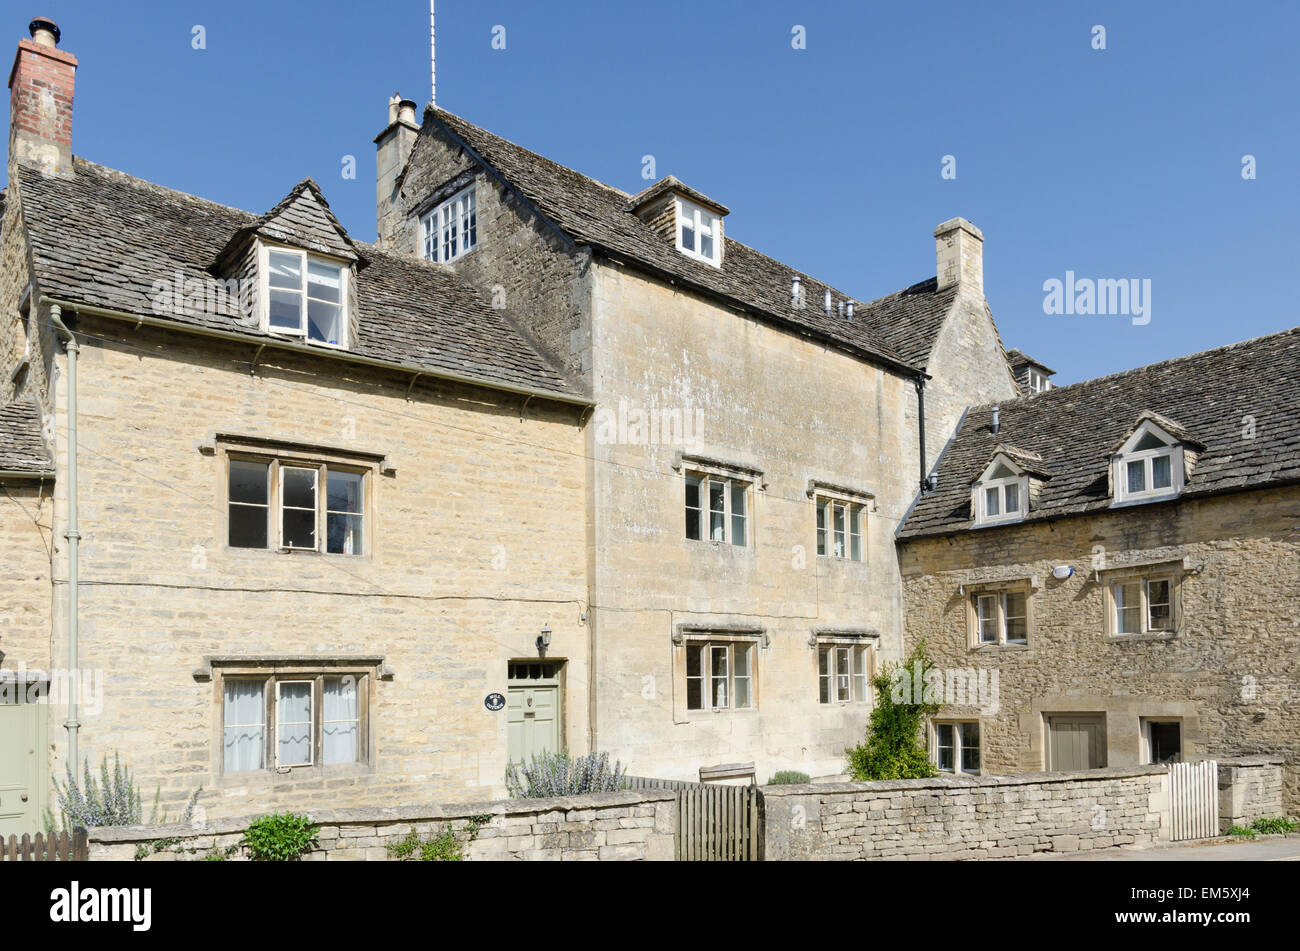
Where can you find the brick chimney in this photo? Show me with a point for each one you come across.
(394, 146)
(959, 247)
(40, 101)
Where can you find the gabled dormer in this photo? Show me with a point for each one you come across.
(1005, 489)
(296, 267)
(688, 218)
(1152, 462)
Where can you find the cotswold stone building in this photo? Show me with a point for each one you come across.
(1123, 553)
(549, 465)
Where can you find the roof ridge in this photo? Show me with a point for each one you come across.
(126, 178)
(1038, 397)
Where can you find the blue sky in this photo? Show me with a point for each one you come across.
(1116, 163)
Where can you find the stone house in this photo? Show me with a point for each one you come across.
(546, 445)
(329, 500)
(752, 451)
(1119, 559)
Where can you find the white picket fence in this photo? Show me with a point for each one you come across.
(1194, 799)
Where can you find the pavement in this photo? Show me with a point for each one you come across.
(1264, 849)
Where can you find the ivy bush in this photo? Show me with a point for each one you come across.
(282, 837)
(789, 777)
(893, 748)
(558, 774)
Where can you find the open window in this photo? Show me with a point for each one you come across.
(304, 295)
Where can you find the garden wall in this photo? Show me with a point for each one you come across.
(620, 826)
(1250, 788)
(968, 817)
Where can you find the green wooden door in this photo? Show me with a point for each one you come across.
(22, 772)
(533, 710)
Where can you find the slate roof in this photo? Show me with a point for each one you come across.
(22, 445)
(1074, 429)
(897, 330)
(102, 238)
(1018, 358)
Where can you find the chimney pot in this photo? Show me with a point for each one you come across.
(44, 31)
(393, 104)
(997, 420)
(406, 111)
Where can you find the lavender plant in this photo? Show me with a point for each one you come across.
(111, 800)
(558, 774)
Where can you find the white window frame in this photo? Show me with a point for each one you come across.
(729, 487)
(827, 507)
(701, 221)
(1147, 752)
(1038, 381)
(998, 598)
(264, 292)
(312, 723)
(1173, 450)
(270, 682)
(460, 210)
(706, 677)
(1143, 582)
(958, 746)
(858, 675)
(275, 507)
(980, 489)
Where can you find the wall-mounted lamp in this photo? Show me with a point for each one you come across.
(1061, 572)
(543, 640)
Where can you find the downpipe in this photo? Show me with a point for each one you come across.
(73, 535)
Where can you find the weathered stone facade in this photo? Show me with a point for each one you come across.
(477, 543)
(1228, 674)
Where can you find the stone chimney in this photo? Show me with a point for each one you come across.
(394, 146)
(40, 101)
(960, 250)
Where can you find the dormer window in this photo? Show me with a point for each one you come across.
(305, 296)
(1037, 381)
(1148, 467)
(450, 230)
(698, 232)
(1000, 495)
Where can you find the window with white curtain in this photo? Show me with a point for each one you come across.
(315, 720)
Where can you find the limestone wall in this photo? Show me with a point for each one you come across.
(609, 827)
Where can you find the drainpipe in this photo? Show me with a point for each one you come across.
(926, 483)
(72, 534)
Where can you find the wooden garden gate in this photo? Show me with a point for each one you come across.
(715, 823)
(1194, 800)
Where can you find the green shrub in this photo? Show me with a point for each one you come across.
(789, 777)
(1241, 832)
(444, 847)
(893, 747)
(1274, 825)
(557, 774)
(282, 837)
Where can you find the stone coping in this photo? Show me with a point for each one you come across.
(963, 782)
(1255, 759)
(389, 814)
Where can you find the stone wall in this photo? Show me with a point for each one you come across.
(1250, 788)
(967, 818)
(1228, 673)
(609, 827)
